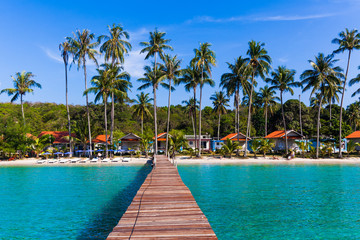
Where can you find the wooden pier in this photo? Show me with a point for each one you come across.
(163, 208)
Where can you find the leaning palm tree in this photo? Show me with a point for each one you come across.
(191, 108)
(283, 80)
(192, 78)
(204, 59)
(83, 47)
(114, 48)
(65, 49)
(142, 105)
(322, 74)
(347, 41)
(152, 78)
(156, 46)
(268, 101)
(259, 64)
(104, 86)
(172, 71)
(234, 81)
(220, 103)
(23, 83)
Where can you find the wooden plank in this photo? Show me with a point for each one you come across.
(163, 208)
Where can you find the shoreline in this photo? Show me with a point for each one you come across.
(185, 160)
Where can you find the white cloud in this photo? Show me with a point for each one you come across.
(258, 19)
(52, 55)
(283, 59)
(134, 64)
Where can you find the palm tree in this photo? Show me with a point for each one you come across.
(351, 147)
(353, 115)
(23, 83)
(83, 47)
(267, 99)
(234, 81)
(115, 47)
(154, 47)
(259, 64)
(204, 59)
(283, 80)
(172, 71)
(152, 78)
(266, 146)
(331, 96)
(322, 74)
(65, 49)
(142, 105)
(192, 78)
(229, 147)
(348, 41)
(191, 108)
(220, 103)
(177, 142)
(104, 86)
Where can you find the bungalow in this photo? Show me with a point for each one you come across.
(355, 136)
(279, 137)
(161, 141)
(100, 141)
(205, 142)
(235, 137)
(130, 141)
(59, 141)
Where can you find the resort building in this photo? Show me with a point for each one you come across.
(59, 141)
(355, 136)
(235, 137)
(279, 137)
(205, 142)
(161, 141)
(130, 141)
(100, 142)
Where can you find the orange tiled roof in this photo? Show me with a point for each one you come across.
(59, 135)
(355, 134)
(159, 135)
(29, 135)
(100, 139)
(233, 137)
(281, 134)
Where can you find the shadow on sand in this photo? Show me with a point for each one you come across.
(102, 224)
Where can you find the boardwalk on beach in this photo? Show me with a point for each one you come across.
(163, 208)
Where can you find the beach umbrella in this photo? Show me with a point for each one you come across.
(79, 151)
(47, 153)
(68, 153)
(57, 153)
(110, 150)
(89, 150)
(99, 150)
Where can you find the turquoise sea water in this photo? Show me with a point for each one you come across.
(278, 202)
(65, 202)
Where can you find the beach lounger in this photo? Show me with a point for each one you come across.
(115, 160)
(41, 161)
(84, 160)
(105, 160)
(74, 160)
(94, 160)
(126, 160)
(53, 161)
(64, 160)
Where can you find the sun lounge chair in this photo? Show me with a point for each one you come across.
(84, 160)
(126, 160)
(115, 159)
(105, 160)
(74, 160)
(65, 160)
(53, 161)
(94, 160)
(41, 161)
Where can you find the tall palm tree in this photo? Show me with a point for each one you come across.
(220, 103)
(191, 108)
(142, 105)
(347, 41)
(331, 96)
(283, 80)
(83, 47)
(192, 78)
(172, 71)
(323, 73)
(353, 115)
(65, 50)
(152, 78)
(23, 83)
(114, 48)
(104, 86)
(234, 81)
(268, 100)
(156, 46)
(204, 59)
(259, 64)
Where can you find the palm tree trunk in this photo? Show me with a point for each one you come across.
(168, 120)
(67, 110)
(266, 117)
(22, 108)
(284, 122)
(155, 122)
(112, 121)
(249, 113)
(199, 154)
(301, 130)
(341, 104)
(142, 124)
(195, 118)
(87, 109)
(106, 130)
(193, 125)
(318, 130)
(330, 111)
(237, 119)
(218, 133)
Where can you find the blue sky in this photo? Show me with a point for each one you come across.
(293, 31)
